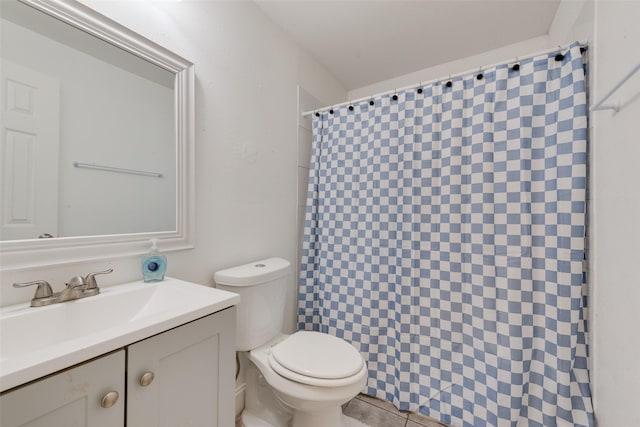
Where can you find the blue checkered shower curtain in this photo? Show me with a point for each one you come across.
(445, 238)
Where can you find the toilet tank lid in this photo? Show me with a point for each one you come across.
(253, 273)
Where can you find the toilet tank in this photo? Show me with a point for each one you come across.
(262, 288)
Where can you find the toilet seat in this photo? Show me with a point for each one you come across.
(318, 359)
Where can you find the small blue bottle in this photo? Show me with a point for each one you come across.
(154, 264)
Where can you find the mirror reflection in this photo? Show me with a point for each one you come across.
(88, 133)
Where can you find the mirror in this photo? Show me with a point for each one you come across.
(97, 137)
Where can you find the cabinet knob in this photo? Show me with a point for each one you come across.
(109, 399)
(146, 379)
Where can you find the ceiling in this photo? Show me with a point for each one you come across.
(364, 42)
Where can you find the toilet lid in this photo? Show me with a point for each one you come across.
(318, 355)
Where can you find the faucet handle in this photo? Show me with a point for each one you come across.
(43, 292)
(90, 279)
(76, 282)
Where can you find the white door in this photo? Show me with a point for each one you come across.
(77, 397)
(29, 123)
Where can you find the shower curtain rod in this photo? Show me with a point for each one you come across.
(416, 85)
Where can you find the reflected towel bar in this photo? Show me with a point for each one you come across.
(114, 169)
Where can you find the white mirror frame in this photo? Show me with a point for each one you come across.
(24, 254)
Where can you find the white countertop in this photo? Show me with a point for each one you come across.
(37, 341)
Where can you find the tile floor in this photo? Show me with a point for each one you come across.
(379, 413)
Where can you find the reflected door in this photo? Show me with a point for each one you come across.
(30, 140)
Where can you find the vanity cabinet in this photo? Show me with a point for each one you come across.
(70, 398)
(184, 376)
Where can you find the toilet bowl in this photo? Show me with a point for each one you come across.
(299, 380)
(314, 391)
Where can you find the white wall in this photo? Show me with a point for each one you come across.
(247, 74)
(615, 219)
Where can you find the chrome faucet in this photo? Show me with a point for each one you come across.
(77, 287)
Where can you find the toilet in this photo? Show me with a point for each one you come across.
(297, 380)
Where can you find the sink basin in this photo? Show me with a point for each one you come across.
(37, 341)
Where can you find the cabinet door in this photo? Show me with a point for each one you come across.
(71, 398)
(193, 368)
